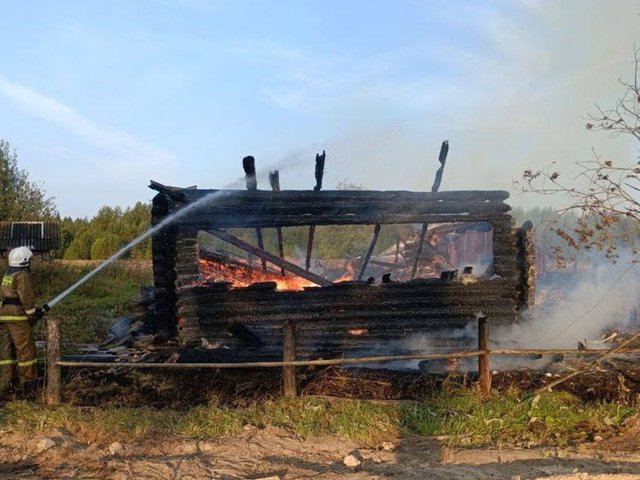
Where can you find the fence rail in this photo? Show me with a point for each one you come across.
(289, 363)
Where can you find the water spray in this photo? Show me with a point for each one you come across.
(180, 213)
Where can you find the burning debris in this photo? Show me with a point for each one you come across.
(237, 274)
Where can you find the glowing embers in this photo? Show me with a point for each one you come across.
(242, 275)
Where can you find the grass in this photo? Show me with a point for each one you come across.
(554, 419)
(511, 418)
(89, 311)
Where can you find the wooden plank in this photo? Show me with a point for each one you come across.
(229, 220)
(274, 180)
(442, 158)
(374, 240)
(349, 195)
(423, 234)
(235, 241)
(320, 159)
(54, 377)
(484, 369)
(289, 355)
(312, 234)
(296, 363)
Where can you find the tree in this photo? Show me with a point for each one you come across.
(21, 199)
(605, 194)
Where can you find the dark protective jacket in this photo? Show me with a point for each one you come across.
(18, 296)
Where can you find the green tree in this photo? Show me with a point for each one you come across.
(21, 199)
(105, 246)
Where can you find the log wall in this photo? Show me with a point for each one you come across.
(327, 318)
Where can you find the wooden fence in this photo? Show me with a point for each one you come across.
(289, 362)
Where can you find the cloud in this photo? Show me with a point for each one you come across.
(123, 148)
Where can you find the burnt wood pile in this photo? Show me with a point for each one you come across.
(331, 320)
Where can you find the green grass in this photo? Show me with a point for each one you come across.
(557, 419)
(89, 311)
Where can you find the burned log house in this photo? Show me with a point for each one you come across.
(240, 322)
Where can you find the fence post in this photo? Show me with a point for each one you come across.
(289, 355)
(54, 376)
(484, 371)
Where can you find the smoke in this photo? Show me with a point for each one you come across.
(515, 97)
(578, 307)
(571, 307)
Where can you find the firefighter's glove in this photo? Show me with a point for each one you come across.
(37, 315)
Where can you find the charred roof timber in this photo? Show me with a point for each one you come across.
(328, 314)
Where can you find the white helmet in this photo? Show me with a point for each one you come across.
(20, 257)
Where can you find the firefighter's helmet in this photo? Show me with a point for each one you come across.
(20, 257)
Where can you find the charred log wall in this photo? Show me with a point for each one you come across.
(325, 316)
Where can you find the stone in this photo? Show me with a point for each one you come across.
(597, 438)
(186, 448)
(206, 447)
(116, 448)
(45, 444)
(388, 446)
(353, 460)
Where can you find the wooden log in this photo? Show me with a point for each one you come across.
(312, 277)
(227, 220)
(423, 233)
(274, 180)
(290, 196)
(249, 166)
(484, 369)
(347, 207)
(442, 158)
(261, 247)
(319, 173)
(296, 363)
(374, 240)
(320, 160)
(54, 377)
(312, 234)
(289, 355)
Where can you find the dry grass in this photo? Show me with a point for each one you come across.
(557, 419)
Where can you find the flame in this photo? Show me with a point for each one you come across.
(243, 276)
(347, 276)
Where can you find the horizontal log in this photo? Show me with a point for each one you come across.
(205, 222)
(346, 208)
(296, 363)
(345, 195)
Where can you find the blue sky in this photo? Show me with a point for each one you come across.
(99, 97)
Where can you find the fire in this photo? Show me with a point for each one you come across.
(243, 276)
(347, 276)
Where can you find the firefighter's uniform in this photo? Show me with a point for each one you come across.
(17, 314)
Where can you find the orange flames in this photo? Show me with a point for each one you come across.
(242, 276)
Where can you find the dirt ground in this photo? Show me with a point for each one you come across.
(272, 454)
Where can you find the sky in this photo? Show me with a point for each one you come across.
(99, 97)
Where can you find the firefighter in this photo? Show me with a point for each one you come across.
(18, 315)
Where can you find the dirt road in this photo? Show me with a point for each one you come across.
(273, 453)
